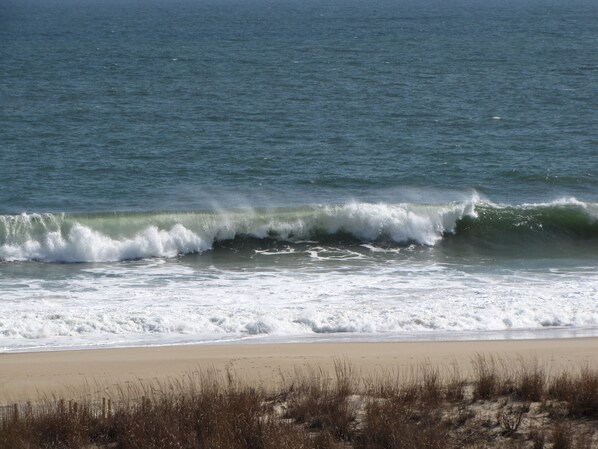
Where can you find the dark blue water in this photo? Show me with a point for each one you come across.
(380, 169)
(131, 105)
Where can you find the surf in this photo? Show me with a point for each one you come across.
(117, 236)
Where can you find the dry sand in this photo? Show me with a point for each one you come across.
(25, 375)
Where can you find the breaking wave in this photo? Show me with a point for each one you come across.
(115, 236)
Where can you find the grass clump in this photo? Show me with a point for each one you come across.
(530, 383)
(393, 424)
(579, 391)
(486, 379)
(320, 402)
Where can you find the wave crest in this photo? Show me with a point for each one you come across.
(83, 244)
(107, 237)
(118, 236)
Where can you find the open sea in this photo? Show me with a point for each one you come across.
(187, 171)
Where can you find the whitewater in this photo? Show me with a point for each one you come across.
(117, 236)
(120, 236)
(470, 269)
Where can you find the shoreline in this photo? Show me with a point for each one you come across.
(27, 375)
(548, 333)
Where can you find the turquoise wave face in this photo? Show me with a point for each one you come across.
(120, 235)
(546, 222)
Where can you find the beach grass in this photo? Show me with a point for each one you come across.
(501, 404)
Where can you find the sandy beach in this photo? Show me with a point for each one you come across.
(26, 375)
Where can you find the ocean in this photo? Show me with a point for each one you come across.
(201, 171)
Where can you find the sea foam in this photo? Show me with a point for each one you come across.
(84, 244)
(163, 301)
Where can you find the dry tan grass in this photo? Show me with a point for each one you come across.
(429, 408)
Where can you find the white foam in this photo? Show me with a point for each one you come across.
(402, 223)
(141, 303)
(561, 201)
(83, 244)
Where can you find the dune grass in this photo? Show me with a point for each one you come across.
(501, 405)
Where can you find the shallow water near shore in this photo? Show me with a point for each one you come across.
(190, 172)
